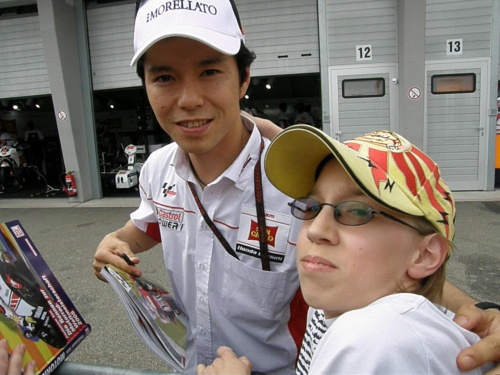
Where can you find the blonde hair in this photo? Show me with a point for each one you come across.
(431, 287)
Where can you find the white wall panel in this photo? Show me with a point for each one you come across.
(111, 33)
(361, 22)
(23, 69)
(283, 34)
(458, 19)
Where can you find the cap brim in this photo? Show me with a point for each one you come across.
(226, 44)
(295, 154)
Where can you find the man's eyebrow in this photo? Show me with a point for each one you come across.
(167, 69)
(159, 69)
(211, 61)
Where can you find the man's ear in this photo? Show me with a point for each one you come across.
(244, 85)
(430, 255)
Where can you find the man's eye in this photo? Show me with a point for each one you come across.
(210, 72)
(163, 78)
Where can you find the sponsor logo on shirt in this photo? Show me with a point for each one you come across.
(277, 231)
(168, 189)
(253, 252)
(171, 219)
(270, 233)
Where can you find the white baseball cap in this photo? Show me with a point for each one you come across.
(214, 22)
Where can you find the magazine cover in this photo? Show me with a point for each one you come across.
(34, 309)
(155, 315)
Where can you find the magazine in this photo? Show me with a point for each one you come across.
(34, 309)
(155, 315)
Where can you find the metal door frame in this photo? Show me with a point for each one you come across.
(373, 69)
(483, 66)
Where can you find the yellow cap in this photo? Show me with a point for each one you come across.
(383, 164)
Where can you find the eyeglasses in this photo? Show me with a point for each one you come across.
(350, 213)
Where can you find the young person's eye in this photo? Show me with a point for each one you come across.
(359, 212)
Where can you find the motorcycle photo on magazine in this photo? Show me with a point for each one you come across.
(34, 309)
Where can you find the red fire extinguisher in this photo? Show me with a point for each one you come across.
(70, 185)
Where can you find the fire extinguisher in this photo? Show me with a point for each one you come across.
(69, 184)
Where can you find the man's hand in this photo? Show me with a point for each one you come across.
(128, 240)
(109, 251)
(227, 364)
(486, 323)
(14, 364)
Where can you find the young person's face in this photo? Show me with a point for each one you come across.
(194, 92)
(341, 267)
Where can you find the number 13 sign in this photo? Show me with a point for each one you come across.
(454, 46)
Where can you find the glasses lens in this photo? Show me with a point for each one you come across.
(305, 208)
(353, 213)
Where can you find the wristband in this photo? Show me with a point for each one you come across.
(487, 305)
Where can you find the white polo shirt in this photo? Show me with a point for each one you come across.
(229, 302)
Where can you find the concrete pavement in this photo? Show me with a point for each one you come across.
(67, 234)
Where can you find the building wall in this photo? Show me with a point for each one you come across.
(361, 22)
(458, 19)
(23, 69)
(111, 33)
(285, 36)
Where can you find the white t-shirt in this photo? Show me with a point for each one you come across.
(398, 334)
(229, 302)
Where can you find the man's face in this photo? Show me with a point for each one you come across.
(194, 92)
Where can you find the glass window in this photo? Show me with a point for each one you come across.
(453, 83)
(363, 88)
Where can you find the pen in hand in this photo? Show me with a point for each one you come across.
(127, 259)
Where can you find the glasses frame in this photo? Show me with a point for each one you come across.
(371, 210)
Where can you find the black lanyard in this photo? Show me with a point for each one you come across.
(261, 217)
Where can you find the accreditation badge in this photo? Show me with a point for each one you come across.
(277, 231)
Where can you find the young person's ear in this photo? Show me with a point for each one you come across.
(244, 85)
(431, 254)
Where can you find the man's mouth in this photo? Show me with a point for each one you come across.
(193, 124)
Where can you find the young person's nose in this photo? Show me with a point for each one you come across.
(323, 228)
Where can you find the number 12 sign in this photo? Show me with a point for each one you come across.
(364, 52)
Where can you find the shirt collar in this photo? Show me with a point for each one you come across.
(242, 168)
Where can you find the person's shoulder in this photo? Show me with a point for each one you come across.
(164, 151)
(384, 318)
(398, 333)
(162, 156)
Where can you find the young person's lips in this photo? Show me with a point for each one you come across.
(317, 264)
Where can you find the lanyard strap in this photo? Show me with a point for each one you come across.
(261, 217)
(211, 224)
